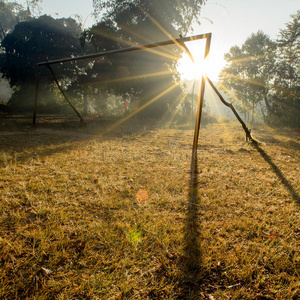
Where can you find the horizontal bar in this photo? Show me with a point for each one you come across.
(130, 49)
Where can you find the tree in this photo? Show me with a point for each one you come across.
(286, 95)
(249, 72)
(32, 42)
(11, 13)
(152, 74)
(8, 17)
(169, 17)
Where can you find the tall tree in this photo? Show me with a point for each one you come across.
(286, 96)
(32, 42)
(249, 72)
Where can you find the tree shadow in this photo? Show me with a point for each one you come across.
(56, 134)
(278, 172)
(191, 264)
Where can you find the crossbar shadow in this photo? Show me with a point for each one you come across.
(191, 265)
(278, 172)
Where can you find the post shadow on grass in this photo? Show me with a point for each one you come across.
(278, 172)
(192, 258)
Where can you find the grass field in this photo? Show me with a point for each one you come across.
(94, 214)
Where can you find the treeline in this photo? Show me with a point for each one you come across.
(263, 76)
(143, 79)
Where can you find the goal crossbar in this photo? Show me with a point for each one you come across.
(179, 41)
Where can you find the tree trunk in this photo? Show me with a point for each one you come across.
(85, 105)
(268, 106)
(253, 109)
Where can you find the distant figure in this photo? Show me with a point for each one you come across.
(126, 105)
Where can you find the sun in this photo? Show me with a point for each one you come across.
(190, 70)
(210, 66)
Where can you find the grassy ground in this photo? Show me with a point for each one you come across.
(88, 214)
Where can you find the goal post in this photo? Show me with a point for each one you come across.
(180, 42)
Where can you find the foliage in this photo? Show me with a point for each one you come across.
(12, 13)
(148, 75)
(8, 17)
(170, 17)
(249, 70)
(266, 73)
(286, 96)
(152, 75)
(35, 41)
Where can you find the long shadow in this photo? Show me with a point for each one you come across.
(278, 172)
(61, 133)
(191, 264)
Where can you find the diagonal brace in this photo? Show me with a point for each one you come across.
(247, 131)
(61, 90)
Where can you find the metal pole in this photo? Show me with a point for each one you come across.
(199, 114)
(200, 100)
(36, 95)
(247, 131)
(130, 49)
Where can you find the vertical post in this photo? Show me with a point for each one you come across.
(199, 114)
(36, 94)
(200, 99)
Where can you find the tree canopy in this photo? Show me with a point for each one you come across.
(31, 42)
(11, 13)
(265, 74)
(286, 95)
(170, 17)
(248, 71)
(147, 75)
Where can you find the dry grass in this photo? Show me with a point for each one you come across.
(86, 215)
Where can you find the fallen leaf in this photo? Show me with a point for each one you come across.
(142, 195)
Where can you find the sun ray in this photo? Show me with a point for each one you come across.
(247, 109)
(284, 90)
(136, 77)
(249, 58)
(212, 99)
(163, 93)
(183, 95)
(160, 27)
(248, 80)
(132, 44)
(164, 53)
(168, 35)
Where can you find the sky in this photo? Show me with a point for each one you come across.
(69, 8)
(229, 21)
